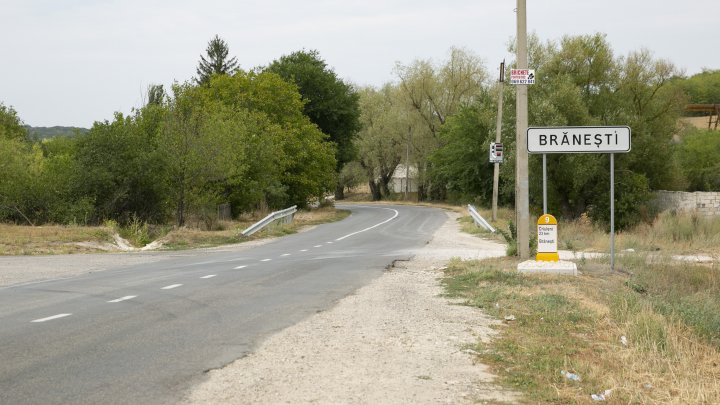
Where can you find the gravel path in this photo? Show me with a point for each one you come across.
(395, 341)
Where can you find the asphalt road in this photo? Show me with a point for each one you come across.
(147, 333)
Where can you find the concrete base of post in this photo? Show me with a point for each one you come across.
(560, 267)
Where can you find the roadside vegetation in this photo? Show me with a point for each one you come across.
(647, 333)
(293, 131)
(669, 233)
(63, 239)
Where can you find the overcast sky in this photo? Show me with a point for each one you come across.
(73, 62)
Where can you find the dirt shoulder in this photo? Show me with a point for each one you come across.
(395, 340)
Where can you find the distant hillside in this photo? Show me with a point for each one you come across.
(50, 132)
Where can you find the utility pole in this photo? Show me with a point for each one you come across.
(522, 198)
(498, 130)
(407, 163)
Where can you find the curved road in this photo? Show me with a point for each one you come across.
(146, 333)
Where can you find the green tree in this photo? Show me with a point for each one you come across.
(59, 183)
(580, 82)
(330, 103)
(699, 155)
(292, 159)
(16, 158)
(11, 127)
(462, 163)
(120, 169)
(702, 88)
(198, 153)
(435, 92)
(217, 62)
(382, 142)
(156, 94)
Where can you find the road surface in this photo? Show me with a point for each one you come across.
(147, 333)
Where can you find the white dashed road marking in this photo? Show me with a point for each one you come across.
(239, 267)
(303, 250)
(209, 276)
(317, 246)
(50, 318)
(170, 287)
(265, 260)
(125, 298)
(285, 254)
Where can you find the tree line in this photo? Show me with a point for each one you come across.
(266, 138)
(292, 131)
(444, 115)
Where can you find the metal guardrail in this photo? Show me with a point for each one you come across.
(479, 220)
(285, 215)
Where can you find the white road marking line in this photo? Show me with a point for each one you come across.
(371, 227)
(50, 318)
(209, 276)
(317, 246)
(170, 287)
(240, 267)
(265, 260)
(329, 243)
(285, 254)
(125, 298)
(303, 250)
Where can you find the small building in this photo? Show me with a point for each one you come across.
(402, 178)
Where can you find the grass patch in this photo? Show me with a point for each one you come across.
(681, 233)
(50, 239)
(667, 314)
(54, 239)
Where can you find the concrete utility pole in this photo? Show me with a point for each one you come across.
(522, 198)
(407, 163)
(498, 131)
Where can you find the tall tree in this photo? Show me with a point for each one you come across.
(434, 92)
(383, 139)
(330, 103)
(156, 94)
(11, 127)
(217, 61)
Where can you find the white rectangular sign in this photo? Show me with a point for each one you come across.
(547, 239)
(611, 139)
(522, 76)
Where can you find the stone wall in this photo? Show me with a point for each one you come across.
(706, 203)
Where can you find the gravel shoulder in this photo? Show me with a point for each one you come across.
(396, 340)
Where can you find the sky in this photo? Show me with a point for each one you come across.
(74, 62)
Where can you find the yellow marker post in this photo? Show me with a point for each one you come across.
(547, 239)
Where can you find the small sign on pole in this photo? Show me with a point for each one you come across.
(522, 76)
(547, 235)
(496, 152)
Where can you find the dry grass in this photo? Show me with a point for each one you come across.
(50, 239)
(575, 324)
(53, 239)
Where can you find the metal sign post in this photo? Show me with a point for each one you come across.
(612, 211)
(545, 183)
(607, 139)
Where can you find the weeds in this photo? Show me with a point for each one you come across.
(667, 314)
